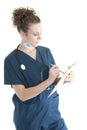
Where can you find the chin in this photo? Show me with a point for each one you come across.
(36, 43)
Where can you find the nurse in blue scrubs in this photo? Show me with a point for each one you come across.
(31, 71)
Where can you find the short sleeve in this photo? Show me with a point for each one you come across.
(11, 73)
(50, 57)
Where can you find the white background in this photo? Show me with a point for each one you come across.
(64, 25)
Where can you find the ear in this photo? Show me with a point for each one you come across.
(22, 34)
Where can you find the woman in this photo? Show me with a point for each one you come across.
(31, 71)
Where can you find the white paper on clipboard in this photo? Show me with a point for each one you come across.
(63, 78)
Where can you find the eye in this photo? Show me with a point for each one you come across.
(35, 34)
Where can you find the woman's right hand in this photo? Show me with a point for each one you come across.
(53, 73)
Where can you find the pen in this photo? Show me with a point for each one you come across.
(59, 70)
(62, 72)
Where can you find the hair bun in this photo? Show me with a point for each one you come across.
(23, 16)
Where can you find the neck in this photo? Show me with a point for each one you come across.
(27, 45)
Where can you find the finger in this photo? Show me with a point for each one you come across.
(54, 66)
(69, 79)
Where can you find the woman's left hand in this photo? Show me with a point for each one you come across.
(69, 78)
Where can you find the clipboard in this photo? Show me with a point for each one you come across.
(61, 81)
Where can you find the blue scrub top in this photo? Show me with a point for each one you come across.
(40, 112)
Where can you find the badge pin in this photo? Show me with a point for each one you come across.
(23, 67)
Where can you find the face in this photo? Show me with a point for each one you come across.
(33, 35)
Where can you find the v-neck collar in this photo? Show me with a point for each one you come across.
(27, 54)
(39, 57)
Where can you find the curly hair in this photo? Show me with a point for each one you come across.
(23, 17)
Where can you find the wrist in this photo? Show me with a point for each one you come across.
(50, 81)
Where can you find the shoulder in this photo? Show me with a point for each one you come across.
(45, 51)
(10, 56)
(43, 48)
(47, 54)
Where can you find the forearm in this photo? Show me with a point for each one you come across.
(28, 93)
(34, 91)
